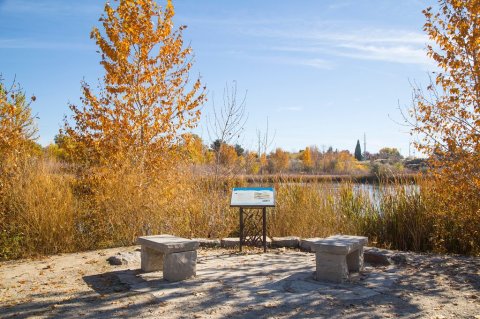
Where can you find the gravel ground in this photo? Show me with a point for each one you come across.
(278, 284)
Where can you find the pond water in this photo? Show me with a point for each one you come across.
(374, 191)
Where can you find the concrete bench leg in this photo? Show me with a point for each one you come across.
(180, 266)
(151, 260)
(355, 260)
(331, 267)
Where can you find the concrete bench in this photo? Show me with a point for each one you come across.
(176, 256)
(338, 255)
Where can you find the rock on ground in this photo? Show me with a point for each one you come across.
(229, 284)
(124, 258)
(287, 242)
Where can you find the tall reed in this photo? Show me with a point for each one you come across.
(46, 208)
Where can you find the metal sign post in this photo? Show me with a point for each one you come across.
(253, 198)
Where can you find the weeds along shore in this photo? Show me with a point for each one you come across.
(46, 208)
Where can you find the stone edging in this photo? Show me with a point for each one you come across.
(373, 256)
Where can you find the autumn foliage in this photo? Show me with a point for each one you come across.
(447, 120)
(146, 98)
(127, 164)
(17, 127)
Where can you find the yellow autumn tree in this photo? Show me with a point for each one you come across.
(262, 162)
(447, 121)
(345, 163)
(146, 98)
(17, 127)
(279, 161)
(17, 144)
(306, 158)
(194, 148)
(251, 163)
(227, 155)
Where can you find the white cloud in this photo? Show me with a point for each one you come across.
(390, 45)
(318, 44)
(396, 54)
(395, 46)
(316, 63)
(309, 62)
(367, 35)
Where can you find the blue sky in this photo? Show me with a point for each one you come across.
(322, 72)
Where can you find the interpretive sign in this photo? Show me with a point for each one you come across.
(253, 197)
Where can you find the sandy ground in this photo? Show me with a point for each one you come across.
(278, 284)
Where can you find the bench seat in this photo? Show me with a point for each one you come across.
(176, 256)
(338, 255)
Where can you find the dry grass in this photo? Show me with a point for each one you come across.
(44, 210)
(38, 211)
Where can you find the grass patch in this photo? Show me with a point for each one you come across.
(47, 209)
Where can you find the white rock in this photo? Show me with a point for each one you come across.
(289, 242)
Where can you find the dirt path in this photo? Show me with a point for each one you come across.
(278, 284)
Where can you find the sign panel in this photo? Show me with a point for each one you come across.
(253, 197)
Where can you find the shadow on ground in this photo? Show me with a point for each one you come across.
(264, 286)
